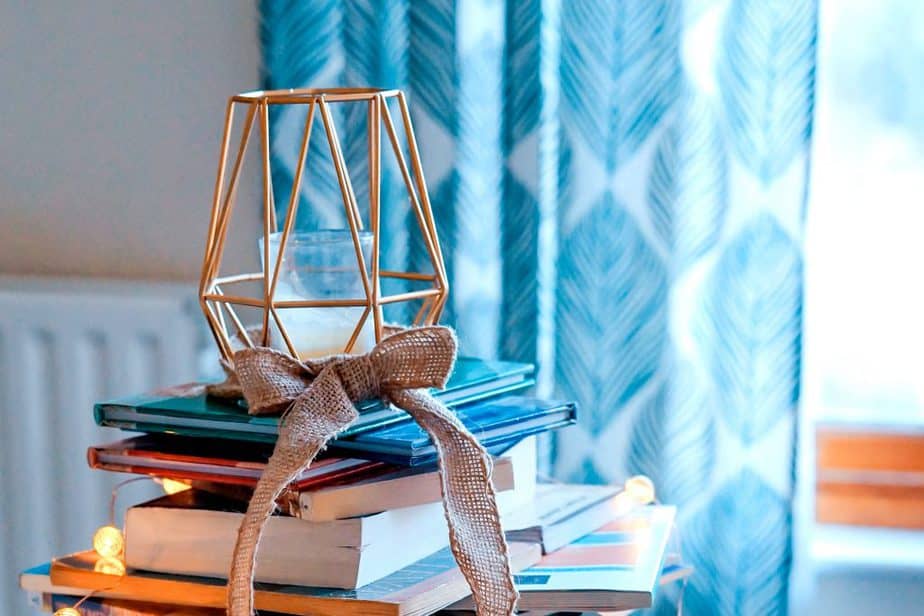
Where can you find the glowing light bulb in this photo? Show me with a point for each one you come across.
(108, 542)
(67, 611)
(109, 566)
(640, 489)
(172, 486)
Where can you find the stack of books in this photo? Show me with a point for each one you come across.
(362, 531)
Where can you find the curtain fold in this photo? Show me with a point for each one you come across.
(620, 190)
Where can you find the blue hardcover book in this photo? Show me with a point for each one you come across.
(203, 416)
(497, 423)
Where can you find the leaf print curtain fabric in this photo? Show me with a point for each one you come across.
(619, 187)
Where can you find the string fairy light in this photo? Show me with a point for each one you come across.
(109, 545)
(108, 542)
(172, 486)
(640, 489)
(109, 566)
(72, 611)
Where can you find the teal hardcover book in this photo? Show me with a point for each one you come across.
(200, 415)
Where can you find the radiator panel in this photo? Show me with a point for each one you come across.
(63, 346)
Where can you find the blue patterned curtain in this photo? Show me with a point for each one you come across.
(620, 190)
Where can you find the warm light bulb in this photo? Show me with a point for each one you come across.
(67, 611)
(640, 489)
(172, 486)
(108, 542)
(109, 566)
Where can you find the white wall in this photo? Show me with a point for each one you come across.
(110, 122)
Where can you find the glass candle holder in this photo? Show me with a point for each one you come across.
(320, 266)
(319, 301)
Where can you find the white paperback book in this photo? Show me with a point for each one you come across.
(561, 513)
(514, 470)
(193, 533)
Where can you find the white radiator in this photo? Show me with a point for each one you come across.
(65, 344)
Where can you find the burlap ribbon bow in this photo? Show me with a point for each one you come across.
(320, 397)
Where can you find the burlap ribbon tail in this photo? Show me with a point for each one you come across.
(319, 398)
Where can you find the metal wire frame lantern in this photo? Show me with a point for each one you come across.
(218, 303)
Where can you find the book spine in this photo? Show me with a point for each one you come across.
(366, 498)
(92, 457)
(351, 501)
(99, 414)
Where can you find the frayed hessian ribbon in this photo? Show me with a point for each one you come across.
(319, 397)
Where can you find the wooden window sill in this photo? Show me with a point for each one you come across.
(869, 476)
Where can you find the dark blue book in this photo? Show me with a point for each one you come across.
(498, 424)
(204, 416)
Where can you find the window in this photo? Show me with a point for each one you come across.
(864, 321)
(863, 397)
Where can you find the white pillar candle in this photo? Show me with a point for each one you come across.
(320, 265)
(319, 332)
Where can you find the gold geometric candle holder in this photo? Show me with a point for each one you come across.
(223, 296)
